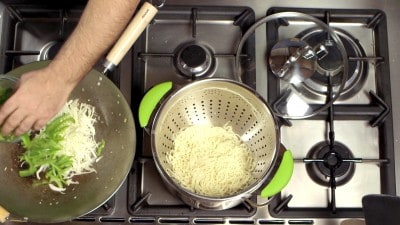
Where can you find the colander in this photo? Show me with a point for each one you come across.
(217, 102)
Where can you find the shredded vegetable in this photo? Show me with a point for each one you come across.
(64, 148)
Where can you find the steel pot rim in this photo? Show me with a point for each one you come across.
(246, 192)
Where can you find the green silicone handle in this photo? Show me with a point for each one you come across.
(150, 101)
(281, 177)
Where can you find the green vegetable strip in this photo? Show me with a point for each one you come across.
(43, 149)
(8, 138)
(5, 93)
(100, 149)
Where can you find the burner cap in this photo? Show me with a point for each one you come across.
(50, 50)
(320, 172)
(193, 60)
(194, 56)
(331, 64)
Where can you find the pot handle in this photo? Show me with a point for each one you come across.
(3, 214)
(150, 101)
(281, 177)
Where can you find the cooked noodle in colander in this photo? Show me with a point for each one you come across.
(211, 161)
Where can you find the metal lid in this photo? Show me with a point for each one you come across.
(294, 61)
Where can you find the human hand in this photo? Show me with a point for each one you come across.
(39, 96)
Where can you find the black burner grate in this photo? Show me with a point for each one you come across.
(327, 162)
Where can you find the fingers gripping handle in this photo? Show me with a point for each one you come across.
(135, 28)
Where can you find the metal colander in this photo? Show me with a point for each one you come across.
(217, 102)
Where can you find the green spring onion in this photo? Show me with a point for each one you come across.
(42, 153)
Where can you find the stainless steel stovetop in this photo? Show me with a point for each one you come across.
(214, 26)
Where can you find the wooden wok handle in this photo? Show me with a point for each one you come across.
(135, 28)
(4, 214)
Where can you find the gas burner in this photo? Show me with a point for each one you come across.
(194, 60)
(320, 171)
(331, 65)
(49, 50)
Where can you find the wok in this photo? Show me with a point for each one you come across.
(115, 125)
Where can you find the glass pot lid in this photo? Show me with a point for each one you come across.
(312, 68)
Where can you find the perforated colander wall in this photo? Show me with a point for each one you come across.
(218, 103)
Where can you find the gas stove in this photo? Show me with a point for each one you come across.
(354, 140)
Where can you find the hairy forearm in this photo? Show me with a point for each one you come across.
(42, 93)
(100, 25)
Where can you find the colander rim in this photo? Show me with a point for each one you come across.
(245, 192)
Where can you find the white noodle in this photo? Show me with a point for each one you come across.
(211, 161)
